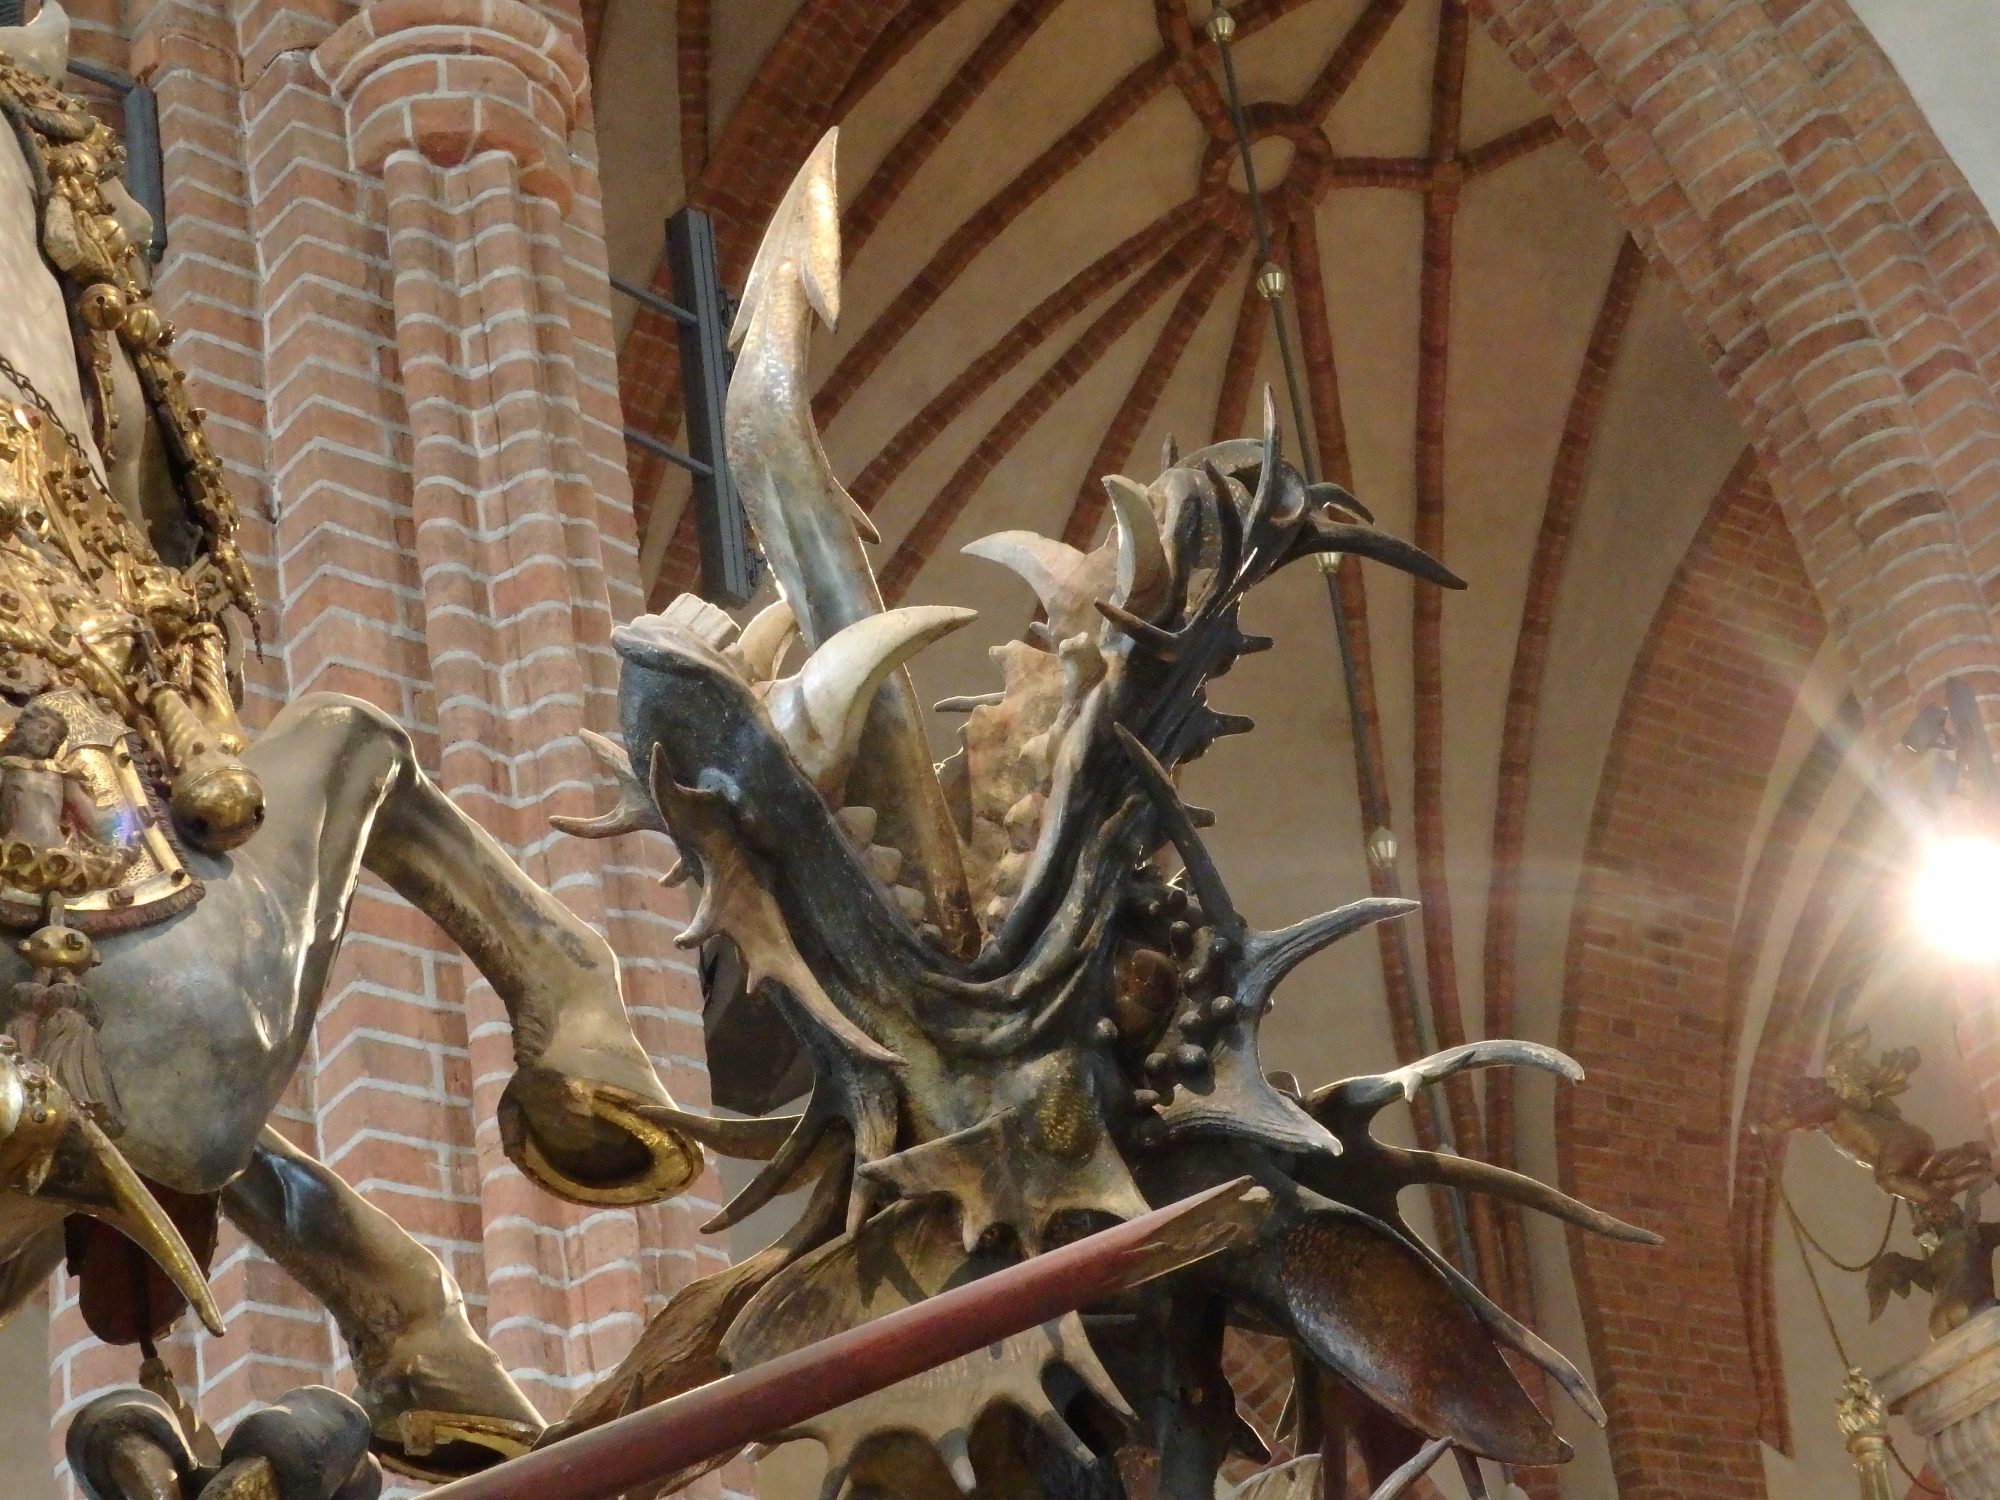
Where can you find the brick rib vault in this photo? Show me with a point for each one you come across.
(388, 275)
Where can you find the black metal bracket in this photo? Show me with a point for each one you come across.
(701, 314)
(145, 167)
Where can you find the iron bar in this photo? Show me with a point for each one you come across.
(667, 451)
(652, 1445)
(648, 298)
(1221, 28)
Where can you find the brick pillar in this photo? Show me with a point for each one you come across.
(466, 112)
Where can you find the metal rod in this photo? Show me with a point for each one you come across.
(646, 297)
(667, 451)
(1374, 803)
(717, 1419)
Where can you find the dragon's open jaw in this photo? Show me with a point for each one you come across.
(1013, 1012)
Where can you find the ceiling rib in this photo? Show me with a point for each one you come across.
(1077, 361)
(914, 147)
(1033, 329)
(1114, 452)
(1531, 650)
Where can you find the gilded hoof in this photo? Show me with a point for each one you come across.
(218, 806)
(591, 1143)
(437, 1447)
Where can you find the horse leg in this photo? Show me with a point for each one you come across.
(437, 1397)
(573, 1116)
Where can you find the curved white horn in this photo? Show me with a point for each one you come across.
(1143, 581)
(1067, 582)
(820, 712)
(765, 640)
(43, 44)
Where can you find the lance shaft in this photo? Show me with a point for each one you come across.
(648, 1446)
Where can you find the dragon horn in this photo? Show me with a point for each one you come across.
(633, 812)
(765, 639)
(821, 712)
(1063, 578)
(812, 532)
(1143, 576)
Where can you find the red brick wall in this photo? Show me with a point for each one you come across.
(1647, 1001)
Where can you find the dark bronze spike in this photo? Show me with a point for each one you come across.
(1338, 498)
(1161, 643)
(1382, 547)
(1484, 1177)
(1209, 890)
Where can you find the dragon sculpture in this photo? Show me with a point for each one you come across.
(1029, 1001)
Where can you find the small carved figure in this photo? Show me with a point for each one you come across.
(1854, 1106)
(1956, 1267)
(36, 789)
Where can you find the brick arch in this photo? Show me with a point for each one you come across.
(1840, 275)
(1647, 1005)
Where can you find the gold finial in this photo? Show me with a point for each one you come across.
(1221, 25)
(1271, 283)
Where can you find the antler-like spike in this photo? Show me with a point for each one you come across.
(1322, 535)
(1336, 497)
(1269, 956)
(1216, 903)
(1484, 1177)
(765, 639)
(632, 812)
(1421, 1463)
(1161, 643)
(1143, 578)
(1065, 580)
(1517, 1336)
(1170, 452)
(1361, 1098)
(820, 712)
(811, 531)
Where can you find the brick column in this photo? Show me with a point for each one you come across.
(466, 112)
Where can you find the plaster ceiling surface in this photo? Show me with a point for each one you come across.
(1531, 253)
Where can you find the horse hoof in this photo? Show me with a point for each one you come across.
(218, 806)
(437, 1447)
(591, 1143)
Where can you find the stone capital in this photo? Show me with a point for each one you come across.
(453, 78)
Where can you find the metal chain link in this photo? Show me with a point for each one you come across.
(43, 405)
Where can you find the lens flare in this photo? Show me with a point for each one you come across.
(1957, 895)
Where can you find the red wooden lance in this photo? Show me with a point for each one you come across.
(647, 1446)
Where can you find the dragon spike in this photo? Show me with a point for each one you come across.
(765, 640)
(634, 810)
(813, 535)
(1143, 576)
(1324, 535)
(1065, 580)
(1517, 1187)
(1209, 890)
(806, 232)
(1400, 1483)
(1366, 1096)
(1516, 1335)
(1267, 469)
(1336, 497)
(1170, 452)
(810, 528)
(1269, 956)
(821, 712)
